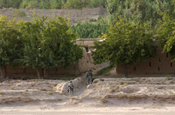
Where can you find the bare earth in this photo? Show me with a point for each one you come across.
(106, 96)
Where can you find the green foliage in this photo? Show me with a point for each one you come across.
(10, 42)
(78, 4)
(140, 11)
(38, 43)
(33, 3)
(92, 20)
(74, 4)
(96, 3)
(51, 4)
(10, 3)
(166, 34)
(56, 4)
(126, 44)
(42, 4)
(49, 45)
(90, 29)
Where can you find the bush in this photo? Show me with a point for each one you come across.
(90, 30)
(92, 20)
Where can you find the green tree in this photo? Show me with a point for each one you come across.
(10, 3)
(166, 34)
(75, 4)
(140, 11)
(126, 44)
(56, 4)
(61, 42)
(48, 44)
(96, 3)
(10, 43)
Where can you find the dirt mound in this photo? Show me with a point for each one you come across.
(134, 88)
(79, 86)
(102, 90)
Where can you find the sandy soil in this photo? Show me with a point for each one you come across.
(113, 96)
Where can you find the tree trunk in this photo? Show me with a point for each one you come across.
(38, 74)
(126, 72)
(45, 73)
(3, 73)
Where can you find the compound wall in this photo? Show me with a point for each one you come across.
(73, 14)
(74, 70)
(159, 65)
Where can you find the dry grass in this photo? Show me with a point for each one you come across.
(95, 81)
(12, 88)
(101, 79)
(55, 84)
(103, 100)
(43, 89)
(37, 98)
(125, 84)
(117, 87)
(159, 87)
(121, 83)
(59, 99)
(169, 77)
(49, 93)
(32, 84)
(1, 93)
(28, 87)
(24, 93)
(19, 13)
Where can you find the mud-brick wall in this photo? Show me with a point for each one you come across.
(74, 70)
(88, 42)
(159, 65)
(73, 14)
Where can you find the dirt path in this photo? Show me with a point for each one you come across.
(90, 111)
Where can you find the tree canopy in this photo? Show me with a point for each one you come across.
(166, 34)
(125, 44)
(10, 42)
(42, 44)
(52, 4)
(140, 11)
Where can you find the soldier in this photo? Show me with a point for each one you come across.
(89, 76)
(70, 88)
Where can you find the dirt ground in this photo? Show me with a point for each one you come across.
(113, 96)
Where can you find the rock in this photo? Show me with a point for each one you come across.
(130, 89)
(63, 88)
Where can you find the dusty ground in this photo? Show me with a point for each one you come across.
(121, 96)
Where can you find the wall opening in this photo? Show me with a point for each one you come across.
(159, 60)
(166, 55)
(158, 68)
(149, 64)
(171, 64)
(86, 47)
(134, 68)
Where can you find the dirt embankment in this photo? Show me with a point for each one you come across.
(110, 91)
